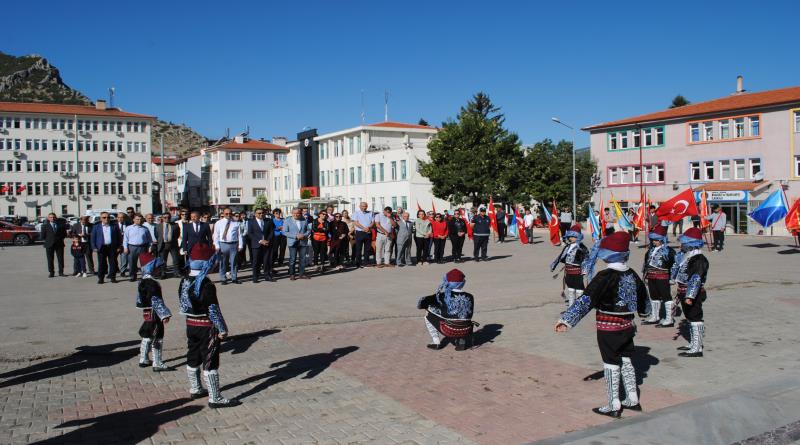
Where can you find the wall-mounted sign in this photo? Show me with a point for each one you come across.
(235, 200)
(724, 195)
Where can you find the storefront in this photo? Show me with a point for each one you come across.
(736, 199)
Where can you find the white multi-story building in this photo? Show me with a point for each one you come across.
(376, 163)
(240, 171)
(68, 159)
(192, 179)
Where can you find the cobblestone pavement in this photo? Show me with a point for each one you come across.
(341, 359)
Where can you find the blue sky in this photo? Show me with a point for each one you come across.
(281, 66)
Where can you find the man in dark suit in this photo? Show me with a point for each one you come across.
(260, 232)
(106, 240)
(195, 231)
(83, 229)
(122, 222)
(167, 243)
(53, 234)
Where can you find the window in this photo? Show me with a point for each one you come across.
(403, 171)
(755, 126)
(258, 156)
(322, 179)
(259, 191)
(708, 170)
(725, 129)
(612, 141)
(623, 139)
(623, 175)
(695, 171)
(372, 173)
(648, 137)
(613, 177)
(694, 133)
(637, 176)
(358, 176)
(259, 174)
(797, 163)
(380, 171)
(336, 177)
(755, 167)
(352, 147)
(352, 175)
(404, 202)
(234, 193)
(394, 202)
(738, 168)
(394, 172)
(233, 155)
(708, 131)
(739, 127)
(725, 170)
(797, 121)
(233, 174)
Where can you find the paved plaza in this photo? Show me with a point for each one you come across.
(341, 359)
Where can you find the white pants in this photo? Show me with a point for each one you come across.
(383, 249)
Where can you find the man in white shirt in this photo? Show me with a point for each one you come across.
(228, 243)
(529, 225)
(384, 224)
(150, 224)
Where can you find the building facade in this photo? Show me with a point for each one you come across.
(240, 171)
(377, 163)
(738, 148)
(192, 178)
(68, 159)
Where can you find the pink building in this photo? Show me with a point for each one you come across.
(739, 148)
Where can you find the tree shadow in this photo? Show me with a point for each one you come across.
(486, 334)
(126, 427)
(238, 344)
(761, 245)
(86, 357)
(310, 365)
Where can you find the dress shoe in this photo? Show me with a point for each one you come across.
(304, 277)
(671, 325)
(114, 280)
(691, 354)
(237, 281)
(62, 274)
(100, 281)
(51, 275)
(637, 407)
(224, 282)
(683, 348)
(615, 414)
(255, 280)
(293, 277)
(435, 346)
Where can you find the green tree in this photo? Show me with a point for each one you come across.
(549, 170)
(474, 157)
(679, 101)
(261, 202)
(423, 122)
(305, 194)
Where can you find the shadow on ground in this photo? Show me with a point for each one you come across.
(310, 365)
(126, 427)
(86, 357)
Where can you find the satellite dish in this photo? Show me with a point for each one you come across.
(759, 176)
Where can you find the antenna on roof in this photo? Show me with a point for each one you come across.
(386, 106)
(111, 92)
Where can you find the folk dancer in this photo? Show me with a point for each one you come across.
(689, 272)
(617, 293)
(572, 255)
(658, 262)
(449, 312)
(154, 312)
(205, 326)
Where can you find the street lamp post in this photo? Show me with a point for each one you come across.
(574, 200)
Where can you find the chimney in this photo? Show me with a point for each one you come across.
(739, 85)
(101, 104)
(279, 140)
(239, 139)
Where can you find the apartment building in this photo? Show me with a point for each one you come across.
(376, 163)
(68, 159)
(240, 171)
(192, 178)
(166, 181)
(739, 148)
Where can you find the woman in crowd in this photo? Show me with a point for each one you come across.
(422, 231)
(440, 232)
(351, 229)
(340, 241)
(319, 240)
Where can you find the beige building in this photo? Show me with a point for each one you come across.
(68, 159)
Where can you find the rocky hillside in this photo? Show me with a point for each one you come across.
(32, 78)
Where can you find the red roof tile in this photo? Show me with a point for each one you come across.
(400, 125)
(250, 145)
(730, 103)
(167, 161)
(81, 110)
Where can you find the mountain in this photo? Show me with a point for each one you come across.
(32, 78)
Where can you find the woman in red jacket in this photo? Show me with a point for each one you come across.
(439, 229)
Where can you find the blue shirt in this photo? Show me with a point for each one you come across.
(363, 218)
(136, 236)
(278, 226)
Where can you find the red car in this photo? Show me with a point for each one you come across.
(20, 236)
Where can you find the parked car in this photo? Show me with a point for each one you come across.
(19, 235)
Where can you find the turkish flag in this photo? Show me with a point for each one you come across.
(4, 189)
(492, 216)
(704, 210)
(466, 221)
(523, 237)
(555, 229)
(419, 207)
(678, 207)
(793, 217)
(20, 189)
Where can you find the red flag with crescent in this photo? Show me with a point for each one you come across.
(523, 237)
(492, 216)
(555, 229)
(792, 219)
(678, 207)
(466, 221)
